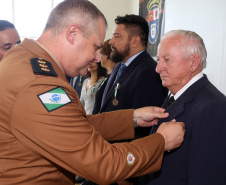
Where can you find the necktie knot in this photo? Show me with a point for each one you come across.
(169, 102)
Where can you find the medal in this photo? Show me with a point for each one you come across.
(80, 81)
(115, 102)
(92, 91)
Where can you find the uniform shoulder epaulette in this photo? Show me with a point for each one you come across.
(42, 67)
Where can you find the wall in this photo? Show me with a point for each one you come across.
(112, 8)
(205, 17)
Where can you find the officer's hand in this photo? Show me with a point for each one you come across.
(173, 133)
(149, 116)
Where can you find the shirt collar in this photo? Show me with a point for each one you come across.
(128, 62)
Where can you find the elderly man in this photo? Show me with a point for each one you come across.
(45, 135)
(201, 159)
(9, 37)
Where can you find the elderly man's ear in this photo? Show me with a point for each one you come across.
(195, 62)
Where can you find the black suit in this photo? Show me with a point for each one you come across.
(78, 84)
(140, 86)
(201, 158)
(98, 97)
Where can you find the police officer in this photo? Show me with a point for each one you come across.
(45, 135)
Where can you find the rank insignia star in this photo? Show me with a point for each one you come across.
(42, 67)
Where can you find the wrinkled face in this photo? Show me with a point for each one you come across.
(85, 50)
(173, 66)
(120, 44)
(8, 38)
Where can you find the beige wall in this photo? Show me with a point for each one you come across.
(112, 8)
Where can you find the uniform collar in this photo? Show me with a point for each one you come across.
(52, 55)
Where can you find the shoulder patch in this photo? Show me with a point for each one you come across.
(54, 99)
(42, 67)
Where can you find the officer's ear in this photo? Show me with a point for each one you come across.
(72, 32)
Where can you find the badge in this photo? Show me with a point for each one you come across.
(115, 102)
(79, 84)
(42, 67)
(153, 20)
(130, 159)
(54, 99)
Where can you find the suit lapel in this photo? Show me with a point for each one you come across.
(110, 87)
(177, 107)
(128, 71)
(77, 81)
(109, 84)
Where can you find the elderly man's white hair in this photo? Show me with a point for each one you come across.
(191, 43)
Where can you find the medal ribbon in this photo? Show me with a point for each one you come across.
(116, 90)
(93, 89)
(80, 79)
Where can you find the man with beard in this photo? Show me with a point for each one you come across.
(138, 85)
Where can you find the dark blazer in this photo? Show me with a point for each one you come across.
(98, 97)
(201, 158)
(140, 86)
(78, 84)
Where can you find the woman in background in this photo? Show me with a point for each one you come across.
(107, 63)
(96, 76)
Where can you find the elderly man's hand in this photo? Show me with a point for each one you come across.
(149, 116)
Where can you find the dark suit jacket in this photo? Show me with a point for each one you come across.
(201, 158)
(77, 86)
(98, 97)
(140, 86)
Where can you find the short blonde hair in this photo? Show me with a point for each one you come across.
(81, 12)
